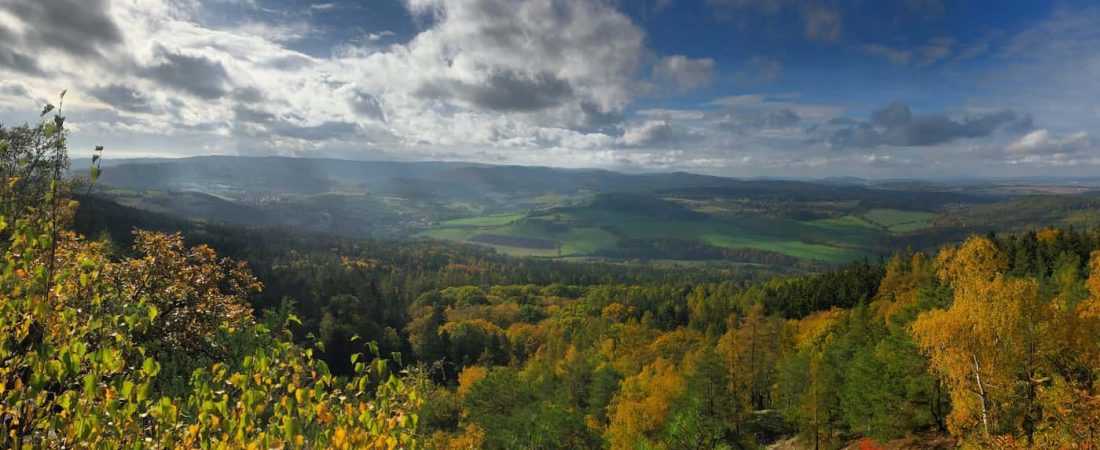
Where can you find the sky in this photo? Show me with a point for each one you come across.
(747, 88)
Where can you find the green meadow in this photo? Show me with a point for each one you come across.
(585, 231)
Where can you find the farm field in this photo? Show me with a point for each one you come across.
(594, 230)
(898, 221)
(482, 221)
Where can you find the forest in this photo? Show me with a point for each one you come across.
(125, 328)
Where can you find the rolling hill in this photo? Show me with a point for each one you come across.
(582, 213)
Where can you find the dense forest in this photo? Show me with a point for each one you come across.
(215, 336)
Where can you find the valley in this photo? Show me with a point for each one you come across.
(591, 214)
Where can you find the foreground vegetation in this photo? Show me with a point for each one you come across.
(148, 340)
(158, 349)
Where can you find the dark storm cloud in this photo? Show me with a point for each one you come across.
(594, 116)
(506, 90)
(513, 91)
(77, 27)
(19, 62)
(122, 97)
(896, 126)
(250, 115)
(14, 90)
(273, 124)
(12, 58)
(894, 115)
(195, 75)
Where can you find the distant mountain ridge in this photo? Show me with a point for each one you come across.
(408, 179)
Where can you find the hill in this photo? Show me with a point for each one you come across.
(585, 213)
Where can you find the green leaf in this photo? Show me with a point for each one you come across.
(144, 391)
(46, 110)
(150, 367)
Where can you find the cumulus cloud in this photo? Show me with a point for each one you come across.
(687, 73)
(503, 49)
(1041, 142)
(479, 74)
(652, 132)
(1044, 148)
(505, 90)
(79, 27)
(518, 81)
(122, 97)
(766, 120)
(896, 126)
(196, 75)
(14, 90)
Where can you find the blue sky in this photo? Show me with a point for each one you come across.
(870, 88)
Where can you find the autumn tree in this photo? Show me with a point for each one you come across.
(81, 334)
(751, 352)
(639, 414)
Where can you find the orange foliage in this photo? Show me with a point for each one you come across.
(814, 327)
(639, 413)
(1048, 235)
(469, 377)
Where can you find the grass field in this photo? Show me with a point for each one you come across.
(483, 221)
(797, 239)
(588, 230)
(898, 221)
(574, 241)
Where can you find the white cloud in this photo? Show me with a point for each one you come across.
(518, 81)
(482, 74)
(650, 132)
(687, 73)
(322, 6)
(1044, 142)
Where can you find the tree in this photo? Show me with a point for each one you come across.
(990, 346)
(751, 353)
(80, 334)
(639, 414)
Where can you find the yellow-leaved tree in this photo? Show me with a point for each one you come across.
(1016, 374)
(639, 414)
